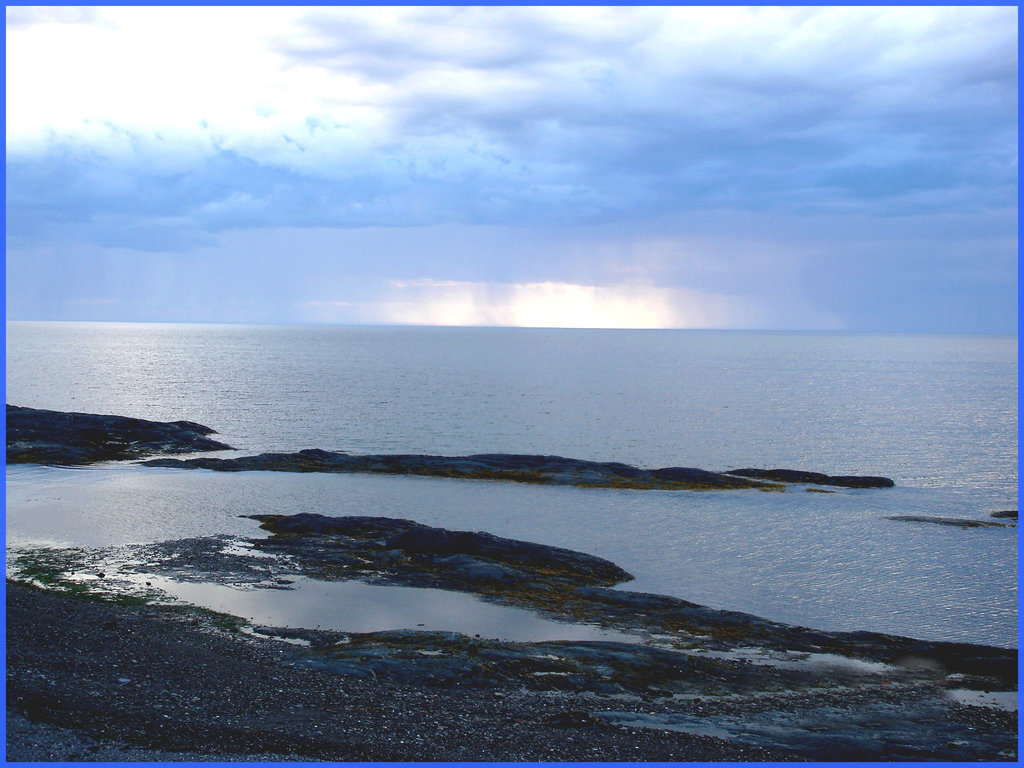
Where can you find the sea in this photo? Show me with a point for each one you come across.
(937, 414)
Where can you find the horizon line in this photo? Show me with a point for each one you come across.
(314, 324)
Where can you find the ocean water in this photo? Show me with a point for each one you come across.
(938, 414)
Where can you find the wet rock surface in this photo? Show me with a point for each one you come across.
(36, 436)
(697, 683)
(559, 583)
(554, 582)
(814, 478)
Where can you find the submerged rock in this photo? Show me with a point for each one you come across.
(814, 478)
(36, 436)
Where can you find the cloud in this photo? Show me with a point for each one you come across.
(24, 16)
(389, 116)
(695, 107)
(398, 44)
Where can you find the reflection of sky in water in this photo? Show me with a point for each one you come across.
(352, 606)
(1007, 700)
(829, 561)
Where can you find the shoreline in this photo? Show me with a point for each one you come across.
(157, 684)
(696, 684)
(194, 692)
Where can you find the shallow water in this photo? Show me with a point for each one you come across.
(352, 606)
(830, 561)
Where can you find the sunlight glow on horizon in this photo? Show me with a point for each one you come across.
(539, 305)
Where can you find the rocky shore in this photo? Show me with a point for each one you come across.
(95, 681)
(684, 682)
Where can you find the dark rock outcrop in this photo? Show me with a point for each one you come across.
(55, 437)
(958, 522)
(438, 556)
(36, 436)
(814, 478)
(522, 468)
(1006, 514)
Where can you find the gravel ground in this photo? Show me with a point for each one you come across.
(101, 682)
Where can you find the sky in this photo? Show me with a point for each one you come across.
(834, 168)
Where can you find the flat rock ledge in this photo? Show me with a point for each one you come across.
(37, 436)
(566, 584)
(814, 478)
(521, 468)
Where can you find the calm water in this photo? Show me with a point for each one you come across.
(352, 606)
(936, 413)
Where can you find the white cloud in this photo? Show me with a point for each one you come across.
(318, 89)
(201, 73)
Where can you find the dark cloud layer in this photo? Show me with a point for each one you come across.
(575, 125)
